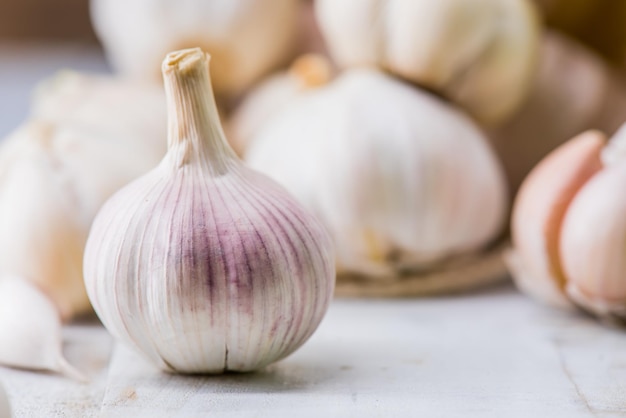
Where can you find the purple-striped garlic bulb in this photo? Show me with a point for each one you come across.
(204, 265)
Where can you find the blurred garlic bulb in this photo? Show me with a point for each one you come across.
(479, 53)
(573, 91)
(203, 265)
(247, 38)
(55, 173)
(569, 228)
(112, 105)
(270, 96)
(401, 179)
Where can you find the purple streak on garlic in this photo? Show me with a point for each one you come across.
(204, 265)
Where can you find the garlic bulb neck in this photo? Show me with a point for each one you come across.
(195, 132)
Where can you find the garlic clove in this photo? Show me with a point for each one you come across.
(592, 244)
(538, 213)
(30, 329)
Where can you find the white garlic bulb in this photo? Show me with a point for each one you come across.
(117, 106)
(305, 73)
(5, 409)
(479, 53)
(401, 179)
(55, 173)
(247, 38)
(203, 265)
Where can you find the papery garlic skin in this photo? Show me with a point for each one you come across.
(247, 38)
(203, 265)
(401, 179)
(5, 409)
(592, 244)
(479, 53)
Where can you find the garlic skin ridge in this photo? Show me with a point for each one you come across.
(204, 265)
(401, 179)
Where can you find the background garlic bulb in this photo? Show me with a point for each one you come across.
(55, 173)
(203, 265)
(271, 95)
(247, 38)
(5, 411)
(569, 229)
(401, 179)
(573, 91)
(478, 53)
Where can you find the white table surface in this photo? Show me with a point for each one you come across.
(488, 354)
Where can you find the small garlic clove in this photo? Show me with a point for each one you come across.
(30, 329)
(5, 407)
(592, 244)
(538, 213)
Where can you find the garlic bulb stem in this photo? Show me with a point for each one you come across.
(192, 110)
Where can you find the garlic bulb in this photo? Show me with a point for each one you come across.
(27, 312)
(478, 53)
(573, 91)
(401, 179)
(203, 265)
(116, 106)
(247, 38)
(307, 72)
(5, 410)
(55, 173)
(569, 229)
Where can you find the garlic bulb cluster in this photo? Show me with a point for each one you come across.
(573, 91)
(305, 73)
(569, 229)
(55, 173)
(5, 410)
(401, 179)
(478, 53)
(247, 38)
(204, 265)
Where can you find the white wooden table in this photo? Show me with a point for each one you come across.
(487, 354)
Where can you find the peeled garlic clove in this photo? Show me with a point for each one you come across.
(247, 38)
(5, 408)
(204, 265)
(30, 329)
(306, 73)
(538, 213)
(479, 53)
(592, 244)
(400, 178)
